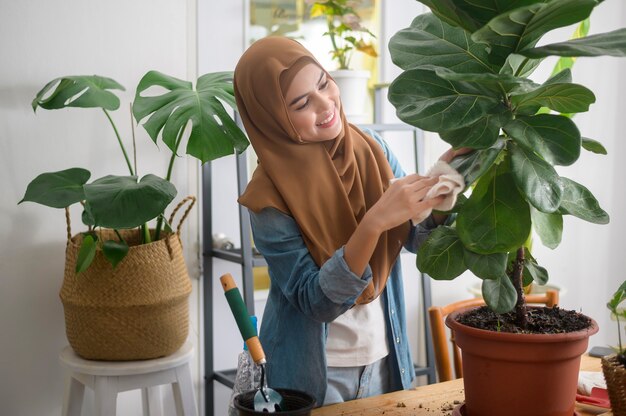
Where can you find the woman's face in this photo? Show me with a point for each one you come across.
(313, 105)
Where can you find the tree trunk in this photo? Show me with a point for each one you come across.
(517, 277)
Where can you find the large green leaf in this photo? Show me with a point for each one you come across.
(519, 65)
(521, 28)
(561, 97)
(567, 62)
(499, 294)
(486, 266)
(114, 251)
(429, 41)
(593, 146)
(86, 253)
(548, 226)
(496, 218)
(213, 132)
(122, 202)
(84, 91)
(473, 165)
(539, 274)
(498, 82)
(481, 134)
(472, 14)
(451, 13)
(610, 43)
(580, 202)
(564, 76)
(536, 178)
(57, 189)
(555, 138)
(441, 255)
(424, 100)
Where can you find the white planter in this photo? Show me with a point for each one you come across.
(355, 96)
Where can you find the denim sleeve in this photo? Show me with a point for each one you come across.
(421, 231)
(321, 293)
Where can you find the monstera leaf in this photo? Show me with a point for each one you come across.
(57, 189)
(84, 91)
(213, 132)
(125, 202)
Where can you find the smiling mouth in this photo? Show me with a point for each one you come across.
(328, 120)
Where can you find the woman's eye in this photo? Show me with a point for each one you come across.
(303, 106)
(324, 85)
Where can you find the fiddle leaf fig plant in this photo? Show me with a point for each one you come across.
(466, 75)
(128, 201)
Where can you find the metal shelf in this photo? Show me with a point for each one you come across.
(235, 256)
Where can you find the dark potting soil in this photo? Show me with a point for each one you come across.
(541, 320)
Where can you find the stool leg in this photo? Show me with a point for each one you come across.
(106, 395)
(183, 392)
(151, 401)
(72, 397)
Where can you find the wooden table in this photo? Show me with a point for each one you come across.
(433, 399)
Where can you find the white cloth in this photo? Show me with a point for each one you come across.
(450, 184)
(358, 336)
(587, 380)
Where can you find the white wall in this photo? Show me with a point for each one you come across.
(41, 40)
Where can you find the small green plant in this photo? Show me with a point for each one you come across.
(344, 29)
(126, 202)
(618, 297)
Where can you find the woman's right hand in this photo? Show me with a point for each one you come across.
(403, 200)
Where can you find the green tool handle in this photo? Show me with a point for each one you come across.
(240, 312)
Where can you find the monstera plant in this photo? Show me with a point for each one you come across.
(126, 202)
(467, 68)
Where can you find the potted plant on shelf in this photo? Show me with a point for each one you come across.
(614, 366)
(347, 35)
(126, 288)
(466, 67)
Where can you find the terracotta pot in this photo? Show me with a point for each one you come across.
(519, 374)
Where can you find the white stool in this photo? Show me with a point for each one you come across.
(107, 378)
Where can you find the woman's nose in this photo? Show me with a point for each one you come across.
(325, 103)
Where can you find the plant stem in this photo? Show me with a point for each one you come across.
(619, 331)
(119, 139)
(120, 236)
(331, 33)
(520, 307)
(170, 168)
(132, 129)
(146, 233)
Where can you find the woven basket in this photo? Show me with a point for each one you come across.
(615, 376)
(137, 310)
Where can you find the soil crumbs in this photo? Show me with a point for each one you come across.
(541, 320)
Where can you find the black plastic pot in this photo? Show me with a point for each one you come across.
(295, 403)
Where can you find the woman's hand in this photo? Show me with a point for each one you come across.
(403, 200)
(451, 153)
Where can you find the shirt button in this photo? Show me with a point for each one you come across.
(392, 311)
(398, 340)
(402, 370)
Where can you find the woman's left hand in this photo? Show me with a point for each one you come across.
(451, 153)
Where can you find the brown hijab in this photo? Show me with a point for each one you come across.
(326, 186)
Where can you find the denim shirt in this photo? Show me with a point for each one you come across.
(303, 298)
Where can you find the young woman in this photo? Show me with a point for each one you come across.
(331, 225)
